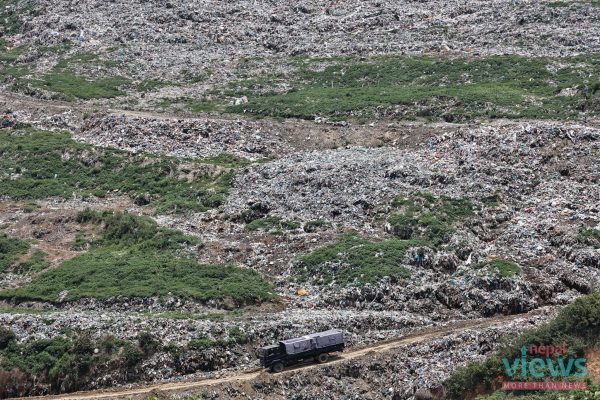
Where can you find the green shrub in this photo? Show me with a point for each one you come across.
(123, 229)
(474, 375)
(148, 343)
(6, 336)
(237, 336)
(503, 268)
(70, 362)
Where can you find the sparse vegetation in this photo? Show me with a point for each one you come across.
(590, 237)
(30, 207)
(353, 260)
(11, 12)
(9, 55)
(271, 224)
(178, 315)
(36, 263)
(449, 89)
(191, 105)
(150, 85)
(502, 268)
(37, 164)
(423, 221)
(129, 231)
(235, 336)
(11, 249)
(426, 217)
(315, 225)
(24, 310)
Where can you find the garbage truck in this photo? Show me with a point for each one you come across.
(316, 346)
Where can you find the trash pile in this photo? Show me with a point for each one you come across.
(527, 165)
(179, 33)
(534, 186)
(182, 137)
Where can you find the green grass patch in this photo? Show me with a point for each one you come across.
(354, 260)
(72, 86)
(204, 342)
(38, 164)
(590, 237)
(63, 78)
(111, 272)
(137, 258)
(449, 89)
(11, 249)
(426, 217)
(502, 268)
(577, 325)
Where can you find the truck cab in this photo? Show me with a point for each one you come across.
(270, 355)
(316, 346)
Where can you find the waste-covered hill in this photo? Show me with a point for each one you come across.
(182, 182)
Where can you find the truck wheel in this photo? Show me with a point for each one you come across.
(322, 358)
(277, 367)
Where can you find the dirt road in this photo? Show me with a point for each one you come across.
(249, 375)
